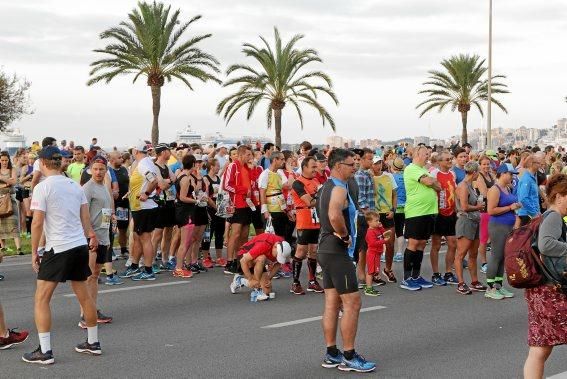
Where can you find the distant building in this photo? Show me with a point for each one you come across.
(422, 139)
(338, 141)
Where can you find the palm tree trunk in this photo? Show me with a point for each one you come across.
(278, 120)
(464, 134)
(156, 104)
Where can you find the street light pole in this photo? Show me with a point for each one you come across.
(489, 105)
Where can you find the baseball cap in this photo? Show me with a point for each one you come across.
(144, 147)
(160, 147)
(491, 154)
(320, 157)
(504, 168)
(50, 152)
(284, 252)
(198, 157)
(99, 159)
(398, 164)
(66, 154)
(182, 146)
(376, 159)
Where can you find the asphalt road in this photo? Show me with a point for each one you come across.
(196, 328)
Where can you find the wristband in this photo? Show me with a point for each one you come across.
(264, 208)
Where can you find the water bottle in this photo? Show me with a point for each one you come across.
(442, 199)
(254, 296)
(207, 235)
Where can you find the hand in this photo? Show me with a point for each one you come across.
(35, 262)
(390, 215)
(291, 216)
(267, 215)
(254, 283)
(93, 243)
(143, 197)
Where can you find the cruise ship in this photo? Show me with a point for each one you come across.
(188, 136)
(12, 140)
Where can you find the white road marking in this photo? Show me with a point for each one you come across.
(310, 319)
(16, 264)
(561, 375)
(136, 287)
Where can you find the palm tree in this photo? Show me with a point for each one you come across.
(460, 86)
(278, 81)
(149, 44)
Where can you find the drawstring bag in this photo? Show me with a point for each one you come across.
(269, 227)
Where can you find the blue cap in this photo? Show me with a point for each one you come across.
(66, 154)
(504, 168)
(50, 152)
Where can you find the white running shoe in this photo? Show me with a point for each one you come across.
(236, 283)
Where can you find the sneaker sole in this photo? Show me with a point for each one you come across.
(312, 290)
(372, 294)
(104, 321)
(82, 326)
(477, 290)
(114, 284)
(46, 362)
(427, 286)
(330, 365)
(346, 368)
(144, 280)
(13, 344)
(410, 288)
(88, 351)
(495, 298)
(297, 293)
(464, 293)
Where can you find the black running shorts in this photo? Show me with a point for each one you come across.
(241, 216)
(387, 223)
(166, 216)
(338, 272)
(103, 255)
(71, 265)
(258, 219)
(399, 221)
(144, 220)
(308, 237)
(420, 227)
(445, 225)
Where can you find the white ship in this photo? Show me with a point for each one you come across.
(12, 140)
(188, 136)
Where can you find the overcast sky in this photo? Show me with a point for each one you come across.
(377, 53)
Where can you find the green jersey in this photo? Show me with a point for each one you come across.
(421, 200)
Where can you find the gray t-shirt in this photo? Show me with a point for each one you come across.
(551, 242)
(100, 208)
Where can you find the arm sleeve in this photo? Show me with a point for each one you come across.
(263, 180)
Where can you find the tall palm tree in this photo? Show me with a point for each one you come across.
(460, 86)
(278, 81)
(149, 44)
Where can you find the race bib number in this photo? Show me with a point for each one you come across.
(106, 218)
(169, 195)
(314, 216)
(121, 214)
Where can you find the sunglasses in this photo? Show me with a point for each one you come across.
(347, 164)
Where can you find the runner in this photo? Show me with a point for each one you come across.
(484, 182)
(445, 221)
(398, 167)
(121, 202)
(254, 255)
(274, 205)
(461, 157)
(217, 224)
(76, 168)
(339, 275)
(143, 182)
(376, 237)
(528, 190)
(420, 210)
(10, 337)
(200, 217)
(101, 217)
(61, 211)
(304, 193)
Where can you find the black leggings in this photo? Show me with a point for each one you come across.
(217, 230)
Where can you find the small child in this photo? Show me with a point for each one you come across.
(376, 237)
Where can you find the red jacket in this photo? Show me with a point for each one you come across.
(375, 241)
(237, 183)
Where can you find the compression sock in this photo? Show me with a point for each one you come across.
(312, 266)
(349, 354)
(416, 267)
(45, 341)
(296, 266)
(332, 350)
(408, 263)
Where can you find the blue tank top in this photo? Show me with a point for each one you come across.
(505, 199)
(401, 191)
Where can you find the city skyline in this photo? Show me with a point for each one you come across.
(378, 55)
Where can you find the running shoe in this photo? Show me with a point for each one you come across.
(378, 280)
(450, 278)
(438, 280)
(236, 284)
(114, 281)
(170, 266)
(20, 252)
(494, 294)
(82, 323)
(193, 268)
(465, 263)
(158, 255)
(208, 263)
(423, 283)
(200, 267)
(410, 285)
(332, 362)
(130, 272)
(484, 268)
(370, 291)
(390, 276)
(399, 257)
(144, 276)
(220, 262)
(14, 338)
(156, 269)
(463, 289)
(357, 364)
(38, 357)
(286, 267)
(278, 275)
(315, 287)
(89, 348)
(1, 277)
(383, 258)
(296, 289)
(261, 296)
(182, 273)
(287, 275)
(507, 294)
(361, 285)
(478, 287)
(101, 318)
(230, 269)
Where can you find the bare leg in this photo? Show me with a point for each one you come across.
(3, 327)
(166, 244)
(42, 311)
(473, 264)
(463, 246)
(234, 240)
(360, 267)
(451, 251)
(434, 254)
(390, 250)
(87, 303)
(535, 363)
(331, 316)
(349, 322)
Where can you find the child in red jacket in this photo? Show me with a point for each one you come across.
(376, 237)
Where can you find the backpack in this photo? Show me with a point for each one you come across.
(522, 261)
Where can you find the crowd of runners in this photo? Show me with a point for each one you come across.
(163, 208)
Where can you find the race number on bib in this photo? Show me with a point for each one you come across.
(106, 218)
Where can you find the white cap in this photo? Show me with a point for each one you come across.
(198, 157)
(284, 252)
(221, 145)
(376, 159)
